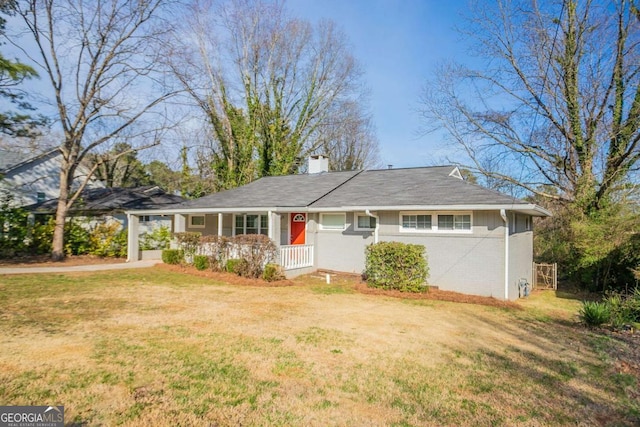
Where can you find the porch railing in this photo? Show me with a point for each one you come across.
(296, 256)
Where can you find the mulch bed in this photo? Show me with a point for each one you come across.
(438, 295)
(230, 278)
(359, 286)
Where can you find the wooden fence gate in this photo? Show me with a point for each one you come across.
(545, 276)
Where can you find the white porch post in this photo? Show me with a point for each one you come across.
(274, 227)
(220, 218)
(180, 223)
(132, 238)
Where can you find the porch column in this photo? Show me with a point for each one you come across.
(220, 218)
(132, 238)
(274, 227)
(179, 224)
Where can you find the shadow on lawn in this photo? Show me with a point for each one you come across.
(565, 370)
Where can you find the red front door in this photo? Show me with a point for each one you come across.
(297, 226)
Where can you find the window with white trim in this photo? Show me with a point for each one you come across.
(415, 222)
(333, 221)
(145, 218)
(251, 224)
(365, 223)
(196, 221)
(434, 222)
(454, 222)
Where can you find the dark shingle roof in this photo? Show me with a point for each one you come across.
(437, 186)
(414, 186)
(274, 191)
(101, 200)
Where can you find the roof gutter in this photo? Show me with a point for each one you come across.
(505, 218)
(375, 232)
(529, 209)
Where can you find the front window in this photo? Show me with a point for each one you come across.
(332, 221)
(454, 222)
(416, 222)
(434, 222)
(252, 224)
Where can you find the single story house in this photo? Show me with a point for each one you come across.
(478, 241)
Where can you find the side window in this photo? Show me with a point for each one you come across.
(365, 222)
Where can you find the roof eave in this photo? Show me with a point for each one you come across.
(189, 211)
(527, 208)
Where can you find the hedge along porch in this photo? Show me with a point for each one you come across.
(296, 258)
(478, 241)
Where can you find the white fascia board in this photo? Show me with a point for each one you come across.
(201, 211)
(530, 209)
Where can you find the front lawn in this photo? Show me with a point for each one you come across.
(154, 347)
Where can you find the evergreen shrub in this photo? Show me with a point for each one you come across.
(395, 265)
(201, 262)
(172, 256)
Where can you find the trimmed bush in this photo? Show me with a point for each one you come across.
(201, 262)
(172, 256)
(395, 265)
(189, 242)
(594, 313)
(235, 265)
(273, 272)
(217, 249)
(256, 250)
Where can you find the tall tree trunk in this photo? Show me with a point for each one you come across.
(57, 245)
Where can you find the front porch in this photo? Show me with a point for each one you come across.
(286, 229)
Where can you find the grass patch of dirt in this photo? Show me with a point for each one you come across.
(159, 347)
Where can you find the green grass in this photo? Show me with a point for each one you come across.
(150, 347)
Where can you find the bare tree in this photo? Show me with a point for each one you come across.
(100, 58)
(351, 140)
(556, 108)
(267, 83)
(120, 167)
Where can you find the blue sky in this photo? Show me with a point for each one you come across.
(398, 43)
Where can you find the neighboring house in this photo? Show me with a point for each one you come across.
(477, 241)
(111, 204)
(35, 178)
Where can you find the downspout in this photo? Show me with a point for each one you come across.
(503, 214)
(375, 231)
